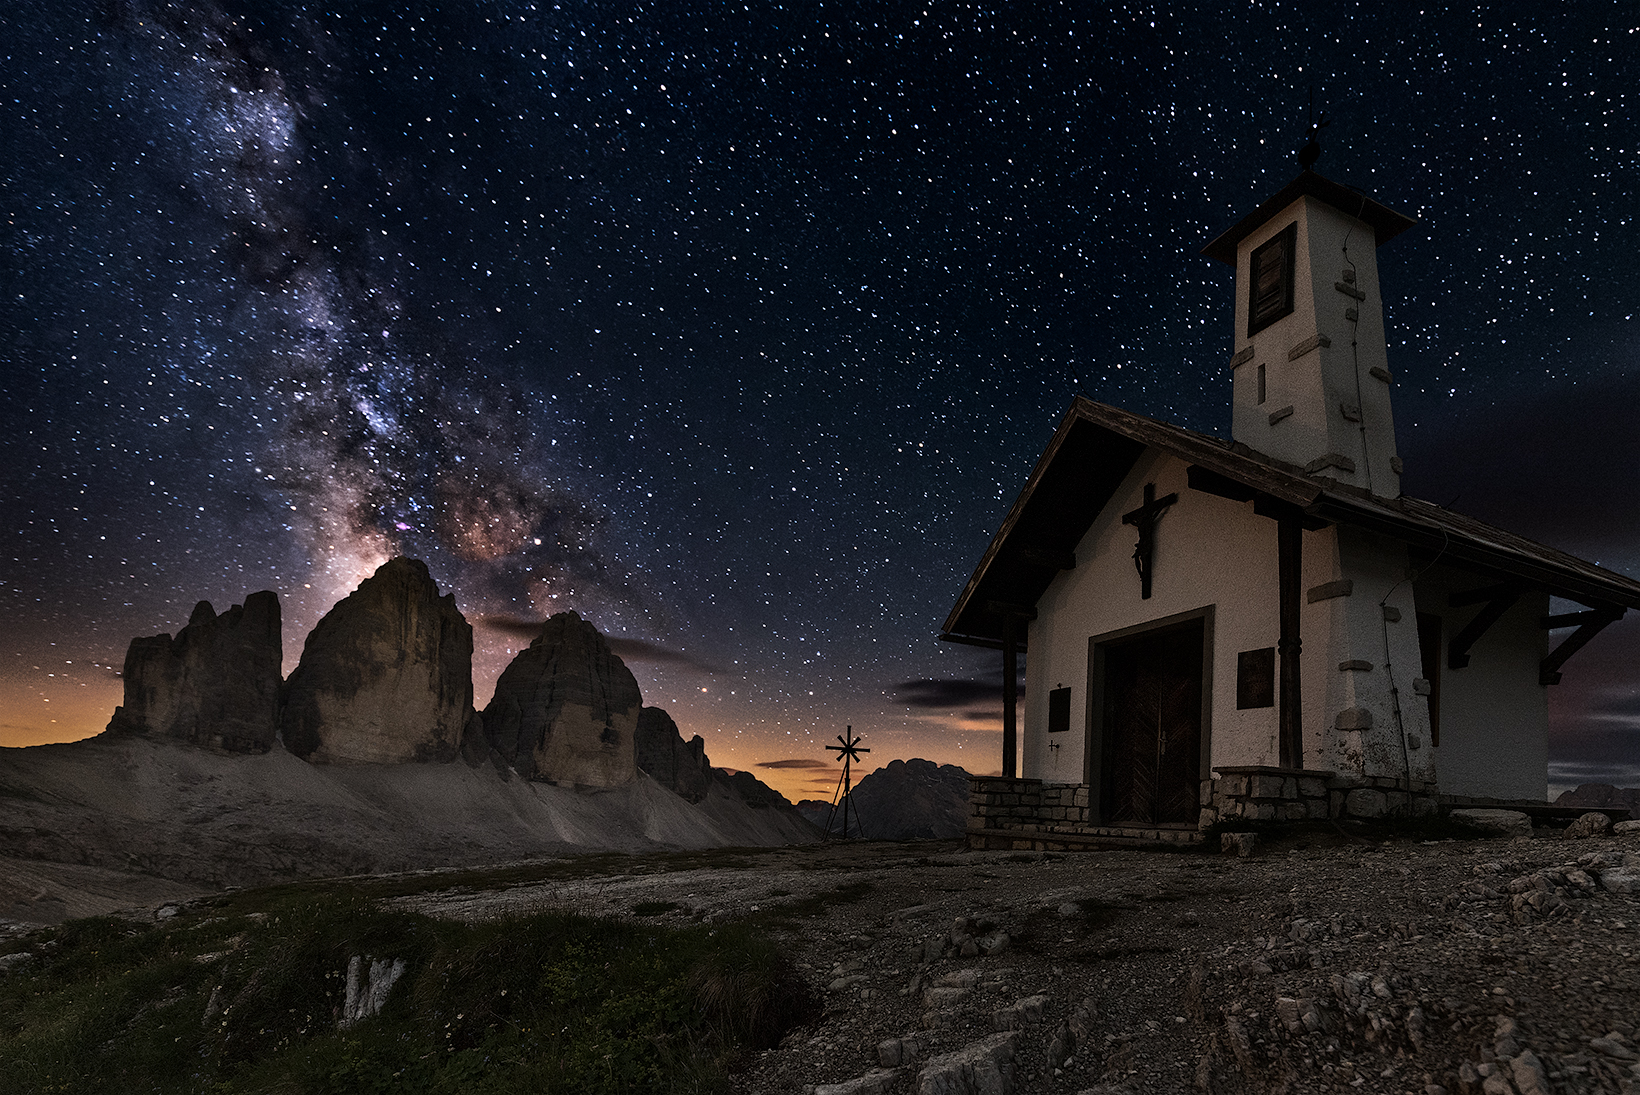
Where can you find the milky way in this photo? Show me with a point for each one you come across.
(737, 328)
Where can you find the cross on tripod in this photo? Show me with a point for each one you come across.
(848, 751)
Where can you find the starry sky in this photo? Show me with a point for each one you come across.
(737, 327)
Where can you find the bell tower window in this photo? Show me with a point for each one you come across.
(1272, 280)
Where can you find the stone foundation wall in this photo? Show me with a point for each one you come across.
(1259, 793)
(997, 803)
(1026, 813)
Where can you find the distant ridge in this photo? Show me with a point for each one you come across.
(903, 800)
(1596, 795)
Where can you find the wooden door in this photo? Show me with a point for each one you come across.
(1153, 727)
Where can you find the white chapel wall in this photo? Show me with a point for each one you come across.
(1494, 713)
(1209, 551)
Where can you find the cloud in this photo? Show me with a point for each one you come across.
(510, 625)
(1623, 708)
(795, 763)
(639, 650)
(1555, 467)
(948, 694)
(636, 650)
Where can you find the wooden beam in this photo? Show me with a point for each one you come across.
(1485, 593)
(1575, 619)
(1211, 482)
(1053, 560)
(1549, 668)
(1266, 506)
(1009, 611)
(1010, 696)
(1208, 481)
(1499, 599)
(1290, 578)
(982, 643)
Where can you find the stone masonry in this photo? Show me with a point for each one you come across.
(1029, 814)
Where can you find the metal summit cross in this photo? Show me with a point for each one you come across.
(848, 752)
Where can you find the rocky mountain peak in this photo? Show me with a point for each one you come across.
(386, 676)
(680, 766)
(216, 684)
(903, 800)
(566, 708)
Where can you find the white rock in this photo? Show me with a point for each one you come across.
(1530, 1077)
(367, 988)
(1023, 1013)
(1593, 823)
(1620, 879)
(985, 1067)
(958, 979)
(875, 1082)
(993, 944)
(1501, 822)
(943, 997)
(9, 962)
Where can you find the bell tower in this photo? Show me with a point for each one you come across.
(1311, 370)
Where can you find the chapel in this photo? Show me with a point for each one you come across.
(1266, 627)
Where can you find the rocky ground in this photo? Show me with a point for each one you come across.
(1329, 962)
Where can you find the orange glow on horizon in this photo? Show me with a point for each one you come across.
(79, 710)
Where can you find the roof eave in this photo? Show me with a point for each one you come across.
(1072, 415)
(1607, 590)
(1386, 223)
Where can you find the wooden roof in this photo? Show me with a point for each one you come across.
(1096, 446)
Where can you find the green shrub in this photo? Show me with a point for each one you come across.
(248, 1002)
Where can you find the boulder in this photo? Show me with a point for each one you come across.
(681, 766)
(216, 684)
(1593, 823)
(985, 1067)
(1496, 822)
(386, 677)
(566, 708)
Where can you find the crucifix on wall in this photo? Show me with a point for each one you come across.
(1144, 519)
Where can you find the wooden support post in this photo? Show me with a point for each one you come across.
(1010, 694)
(1289, 554)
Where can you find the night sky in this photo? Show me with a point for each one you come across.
(738, 327)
